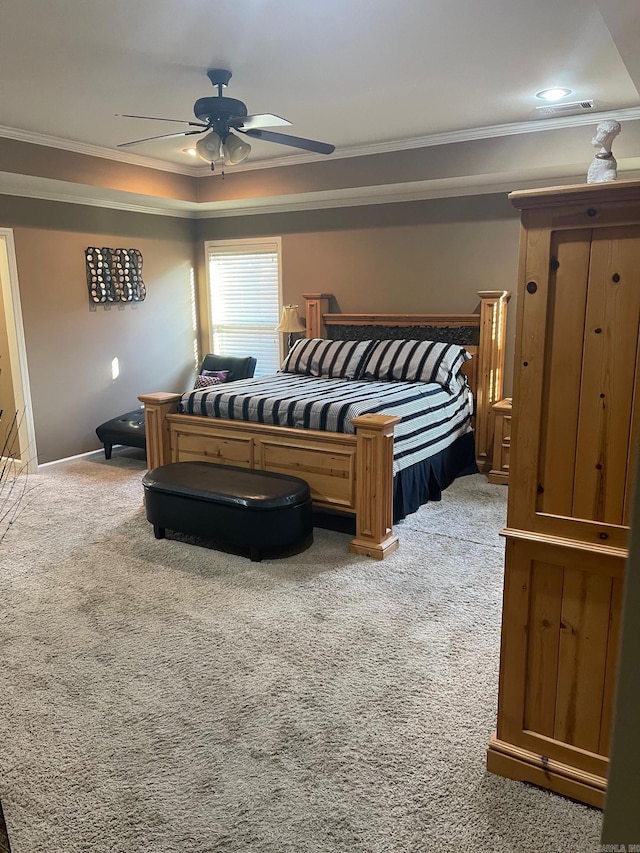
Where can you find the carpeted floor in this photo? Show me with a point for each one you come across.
(156, 696)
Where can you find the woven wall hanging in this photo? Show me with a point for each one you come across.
(114, 275)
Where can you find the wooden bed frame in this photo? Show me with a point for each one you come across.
(349, 473)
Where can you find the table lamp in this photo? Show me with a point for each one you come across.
(289, 322)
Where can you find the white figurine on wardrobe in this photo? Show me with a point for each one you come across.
(604, 166)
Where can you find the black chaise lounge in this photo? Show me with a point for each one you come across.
(128, 429)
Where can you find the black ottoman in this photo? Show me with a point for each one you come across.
(125, 429)
(234, 506)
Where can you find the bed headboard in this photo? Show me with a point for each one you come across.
(482, 334)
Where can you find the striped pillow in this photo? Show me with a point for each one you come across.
(333, 359)
(416, 361)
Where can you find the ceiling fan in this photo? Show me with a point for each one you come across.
(219, 116)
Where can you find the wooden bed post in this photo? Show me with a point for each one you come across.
(374, 486)
(490, 378)
(316, 305)
(156, 408)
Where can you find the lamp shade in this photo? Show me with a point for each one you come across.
(212, 149)
(289, 321)
(235, 150)
(208, 147)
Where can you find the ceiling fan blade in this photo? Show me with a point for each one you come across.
(293, 141)
(257, 121)
(155, 118)
(162, 136)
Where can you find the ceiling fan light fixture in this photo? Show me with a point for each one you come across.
(217, 115)
(232, 151)
(235, 150)
(208, 147)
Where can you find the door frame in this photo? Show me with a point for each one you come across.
(17, 351)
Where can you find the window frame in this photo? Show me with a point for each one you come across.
(239, 246)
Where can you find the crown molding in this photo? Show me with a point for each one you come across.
(418, 191)
(465, 185)
(537, 125)
(447, 138)
(97, 151)
(58, 191)
(491, 131)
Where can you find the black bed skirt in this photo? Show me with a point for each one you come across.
(426, 480)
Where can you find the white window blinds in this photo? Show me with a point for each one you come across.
(244, 299)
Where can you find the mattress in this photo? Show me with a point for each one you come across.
(432, 418)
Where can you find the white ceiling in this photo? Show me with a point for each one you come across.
(351, 72)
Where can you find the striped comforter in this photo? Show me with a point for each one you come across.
(432, 418)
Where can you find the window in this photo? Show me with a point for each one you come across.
(244, 299)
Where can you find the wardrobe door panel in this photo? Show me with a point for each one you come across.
(543, 631)
(582, 654)
(566, 306)
(559, 652)
(609, 376)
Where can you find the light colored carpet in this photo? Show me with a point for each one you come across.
(156, 696)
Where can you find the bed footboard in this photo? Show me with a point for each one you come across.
(350, 473)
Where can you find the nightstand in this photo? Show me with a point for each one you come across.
(499, 473)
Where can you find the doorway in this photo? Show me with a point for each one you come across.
(16, 395)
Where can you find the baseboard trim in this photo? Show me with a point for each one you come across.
(513, 762)
(70, 458)
(98, 450)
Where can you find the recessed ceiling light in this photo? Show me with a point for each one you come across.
(555, 94)
(191, 151)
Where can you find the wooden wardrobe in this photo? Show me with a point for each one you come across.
(576, 414)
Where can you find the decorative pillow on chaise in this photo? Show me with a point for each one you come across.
(211, 377)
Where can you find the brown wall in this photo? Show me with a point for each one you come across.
(69, 346)
(428, 256)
